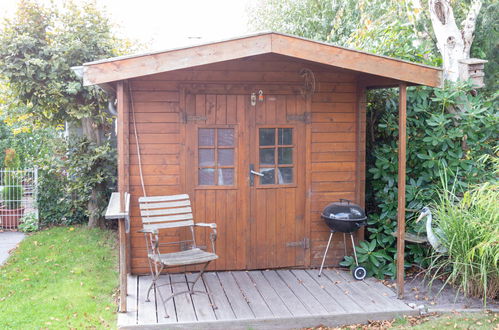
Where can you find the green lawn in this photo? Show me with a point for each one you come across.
(60, 278)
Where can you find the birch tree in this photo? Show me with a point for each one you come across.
(453, 43)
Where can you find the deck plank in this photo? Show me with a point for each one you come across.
(223, 310)
(375, 294)
(294, 305)
(353, 290)
(380, 287)
(253, 297)
(261, 299)
(343, 299)
(313, 306)
(202, 304)
(326, 300)
(270, 296)
(130, 317)
(166, 291)
(146, 309)
(237, 300)
(183, 302)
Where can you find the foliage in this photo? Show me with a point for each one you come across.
(11, 196)
(11, 160)
(60, 278)
(28, 223)
(485, 320)
(38, 47)
(37, 50)
(399, 29)
(68, 176)
(469, 222)
(435, 137)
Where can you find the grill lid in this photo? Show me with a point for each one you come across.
(344, 210)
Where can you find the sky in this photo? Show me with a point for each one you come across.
(163, 24)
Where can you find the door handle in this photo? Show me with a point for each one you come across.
(252, 177)
(256, 173)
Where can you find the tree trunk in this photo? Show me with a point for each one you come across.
(92, 132)
(453, 44)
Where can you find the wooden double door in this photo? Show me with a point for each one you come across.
(245, 170)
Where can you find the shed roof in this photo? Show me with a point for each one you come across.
(125, 67)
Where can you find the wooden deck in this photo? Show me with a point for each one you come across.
(274, 299)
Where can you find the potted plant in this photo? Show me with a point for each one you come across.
(12, 209)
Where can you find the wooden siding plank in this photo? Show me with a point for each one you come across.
(140, 107)
(235, 297)
(157, 117)
(313, 306)
(272, 299)
(253, 297)
(290, 300)
(155, 96)
(223, 310)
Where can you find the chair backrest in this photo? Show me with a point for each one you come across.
(160, 212)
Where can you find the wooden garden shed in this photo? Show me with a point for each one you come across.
(289, 108)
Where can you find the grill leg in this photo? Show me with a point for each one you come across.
(354, 252)
(325, 252)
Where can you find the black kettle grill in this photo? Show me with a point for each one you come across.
(344, 217)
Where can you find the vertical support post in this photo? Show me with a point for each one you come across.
(401, 189)
(123, 183)
(360, 156)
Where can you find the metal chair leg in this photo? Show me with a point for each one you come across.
(325, 252)
(190, 290)
(354, 252)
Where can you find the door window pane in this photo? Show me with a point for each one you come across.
(285, 136)
(285, 155)
(267, 136)
(206, 176)
(226, 177)
(268, 176)
(206, 157)
(216, 156)
(206, 137)
(285, 175)
(267, 156)
(225, 137)
(225, 157)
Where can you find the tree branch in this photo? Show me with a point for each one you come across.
(469, 26)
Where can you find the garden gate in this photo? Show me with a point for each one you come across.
(18, 196)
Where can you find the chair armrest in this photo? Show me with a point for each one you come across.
(148, 231)
(213, 234)
(202, 224)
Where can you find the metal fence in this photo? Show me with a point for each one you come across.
(18, 196)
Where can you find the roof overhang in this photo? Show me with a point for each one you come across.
(126, 67)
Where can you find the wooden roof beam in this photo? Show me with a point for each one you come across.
(136, 66)
(356, 60)
(122, 68)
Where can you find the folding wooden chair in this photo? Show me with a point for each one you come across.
(171, 212)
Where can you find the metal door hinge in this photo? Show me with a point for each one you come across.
(305, 118)
(304, 243)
